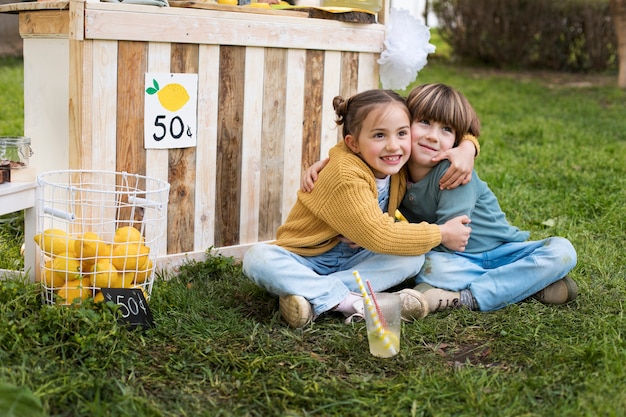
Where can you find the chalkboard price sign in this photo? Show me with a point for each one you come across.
(133, 306)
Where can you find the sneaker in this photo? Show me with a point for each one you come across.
(359, 315)
(414, 304)
(439, 299)
(295, 310)
(559, 292)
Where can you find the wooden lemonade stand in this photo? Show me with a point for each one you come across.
(266, 80)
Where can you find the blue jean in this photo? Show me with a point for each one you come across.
(326, 279)
(502, 276)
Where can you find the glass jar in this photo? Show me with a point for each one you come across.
(15, 152)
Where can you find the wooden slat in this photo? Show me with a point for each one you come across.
(206, 153)
(251, 145)
(275, 114)
(80, 95)
(332, 84)
(349, 79)
(349, 73)
(77, 20)
(313, 96)
(182, 163)
(294, 130)
(157, 159)
(45, 23)
(227, 28)
(104, 105)
(33, 6)
(368, 72)
(130, 151)
(230, 115)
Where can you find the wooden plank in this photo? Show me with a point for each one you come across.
(45, 23)
(274, 136)
(251, 145)
(104, 104)
(349, 74)
(332, 87)
(230, 116)
(313, 96)
(102, 73)
(80, 104)
(206, 152)
(349, 79)
(32, 6)
(157, 159)
(182, 164)
(294, 103)
(173, 262)
(77, 20)
(226, 28)
(368, 74)
(130, 152)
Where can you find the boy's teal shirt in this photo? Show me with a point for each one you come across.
(424, 201)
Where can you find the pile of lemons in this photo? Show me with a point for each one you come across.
(77, 267)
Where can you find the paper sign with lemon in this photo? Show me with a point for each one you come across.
(170, 110)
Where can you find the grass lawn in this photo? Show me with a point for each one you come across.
(553, 150)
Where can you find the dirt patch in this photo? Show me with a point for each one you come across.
(464, 354)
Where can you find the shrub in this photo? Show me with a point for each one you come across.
(569, 35)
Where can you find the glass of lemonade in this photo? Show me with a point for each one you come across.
(383, 332)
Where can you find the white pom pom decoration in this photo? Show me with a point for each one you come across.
(406, 48)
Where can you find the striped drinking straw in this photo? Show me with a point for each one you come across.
(371, 309)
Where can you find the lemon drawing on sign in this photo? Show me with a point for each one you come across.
(172, 97)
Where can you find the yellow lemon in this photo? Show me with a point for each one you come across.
(66, 267)
(231, 2)
(99, 297)
(128, 280)
(72, 293)
(90, 248)
(130, 256)
(49, 278)
(105, 275)
(143, 290)
(143, 273)
(54, 241)
(172, 97)
(127, 234)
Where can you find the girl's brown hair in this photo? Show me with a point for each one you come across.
(352, 111)
(444, 104)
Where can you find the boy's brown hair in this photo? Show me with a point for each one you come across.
(444, 104)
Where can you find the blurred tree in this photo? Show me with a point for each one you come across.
(618, 12)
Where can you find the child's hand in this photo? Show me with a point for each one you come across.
(347, 241)
(455, 234)
(310, 175)
(461, 165)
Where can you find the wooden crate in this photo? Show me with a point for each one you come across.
(265, 113)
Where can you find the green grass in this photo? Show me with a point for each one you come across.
(555, 154)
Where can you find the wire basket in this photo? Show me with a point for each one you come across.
(98, 229)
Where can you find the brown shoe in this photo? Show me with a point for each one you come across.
(559, 292)
(413, 304)
(439, 299)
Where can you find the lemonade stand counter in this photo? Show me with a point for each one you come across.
(263, 84)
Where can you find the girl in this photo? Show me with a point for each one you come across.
(309, 267)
